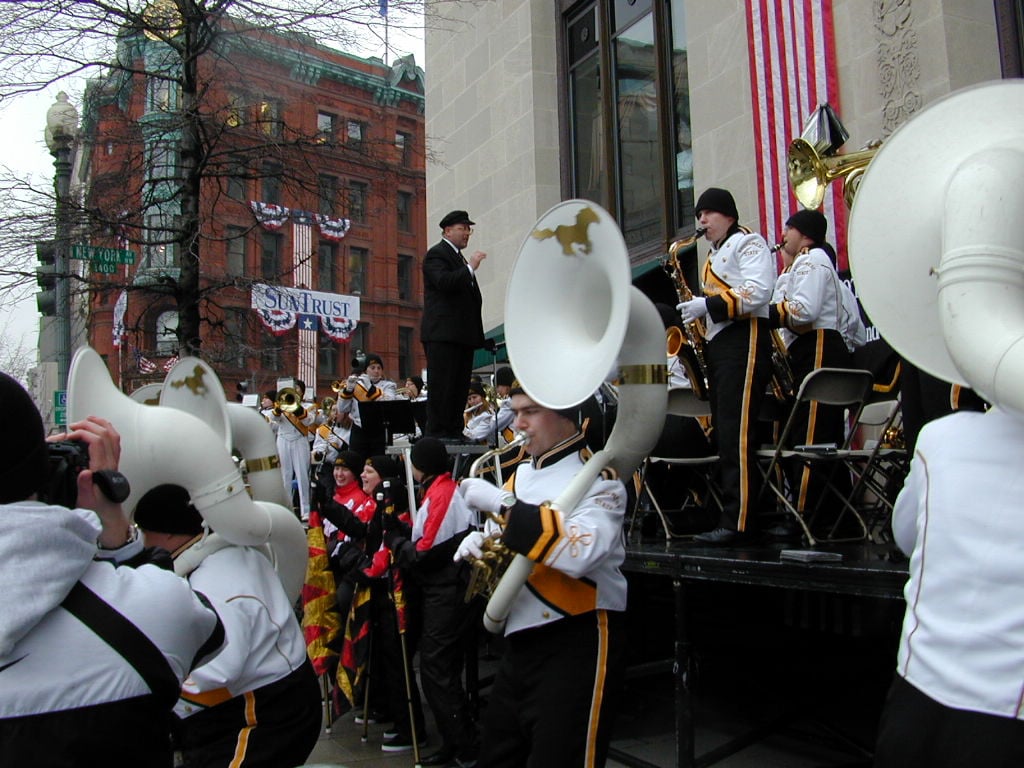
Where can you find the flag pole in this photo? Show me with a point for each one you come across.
(384, 13)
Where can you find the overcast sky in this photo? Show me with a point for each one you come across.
(23, 150)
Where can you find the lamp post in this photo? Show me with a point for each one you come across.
(61, 129)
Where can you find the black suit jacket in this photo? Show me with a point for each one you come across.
(451, 299)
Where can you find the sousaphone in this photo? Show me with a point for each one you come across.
(572, 320)
(934, 242)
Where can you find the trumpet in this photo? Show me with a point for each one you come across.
(487, 570)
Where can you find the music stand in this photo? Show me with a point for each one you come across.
(387, 416)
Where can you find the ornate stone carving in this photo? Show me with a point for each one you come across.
(899, 68)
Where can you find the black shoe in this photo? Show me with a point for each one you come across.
(724, 537)
(443, 757)
(373, 718)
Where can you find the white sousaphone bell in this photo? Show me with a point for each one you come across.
(572, 320)
(935, 246)
(164, 444)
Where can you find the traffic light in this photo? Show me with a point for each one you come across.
(46, 277)
(243, 389)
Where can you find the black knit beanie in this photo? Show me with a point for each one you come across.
(812, 224)
(429, 456)
(168, 509)
(715, 199)
(24, 458)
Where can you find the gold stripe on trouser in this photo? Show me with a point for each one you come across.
(598, 697)
(812, 419)
(744, 459)
(242, 745)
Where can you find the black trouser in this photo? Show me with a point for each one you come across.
(918, 732)
(739, 369)
(449, 367)
(446, 618)
(555, 694)
(271, 726)
(816, 422)
(393, 661)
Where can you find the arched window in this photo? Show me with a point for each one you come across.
(167, 333)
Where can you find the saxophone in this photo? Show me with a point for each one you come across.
(690, 354)
(487, 570)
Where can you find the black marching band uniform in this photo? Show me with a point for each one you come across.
(737, 279)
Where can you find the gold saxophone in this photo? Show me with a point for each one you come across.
(690, 354)
(487, 570)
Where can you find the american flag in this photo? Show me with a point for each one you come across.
(792, 70)
(144, 363)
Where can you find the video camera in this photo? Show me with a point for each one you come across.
(358, 364)
(67, 459)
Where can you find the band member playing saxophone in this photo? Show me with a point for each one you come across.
(737, 279)
(553, 697)
(808, 306)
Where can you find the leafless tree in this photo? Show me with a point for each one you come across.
(96, 41)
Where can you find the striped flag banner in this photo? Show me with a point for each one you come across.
(792, 70)
(302, 275)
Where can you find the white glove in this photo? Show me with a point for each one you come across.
(484, 496)
(470, 547)
(694, 309)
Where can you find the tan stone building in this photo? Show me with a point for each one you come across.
(520, 117)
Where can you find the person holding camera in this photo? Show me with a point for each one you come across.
(92, 652)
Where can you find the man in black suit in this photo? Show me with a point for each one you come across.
(452, 328)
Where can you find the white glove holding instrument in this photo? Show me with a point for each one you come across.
(484, 496)
(694, 309)
(470, 547)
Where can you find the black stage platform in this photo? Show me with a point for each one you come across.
(742, 591)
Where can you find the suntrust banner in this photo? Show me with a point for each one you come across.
(303, 302)
(281, 309)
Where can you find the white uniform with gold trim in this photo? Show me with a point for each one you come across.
(579, 564)
(742, 273)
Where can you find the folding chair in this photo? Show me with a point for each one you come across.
(829, 386)
(879, 466)
(681, 402)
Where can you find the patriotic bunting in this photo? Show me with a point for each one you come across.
(333, 230)
(269, 216)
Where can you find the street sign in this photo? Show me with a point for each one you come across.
(60, 407)
(104, 260)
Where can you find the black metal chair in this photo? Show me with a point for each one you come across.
(829, 386)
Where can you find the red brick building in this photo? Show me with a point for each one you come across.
(313, 177)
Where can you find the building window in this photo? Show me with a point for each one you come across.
(358, 191)
(403, 143)
(355, 133)
(236, 185)
(271, 184)
(270, 257)
(271, 356)
(360, 338)
(327, 358)
(236, 250)
(236, 339)
(405, 267)
(269, 116)
(648, 181)
(160, 245)
(325, 127)
(404, 200)
(358, 261)
(405, 347)
(166, 333)
(327, 192)
(235, 112)
(327, 254)
(162, 91)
